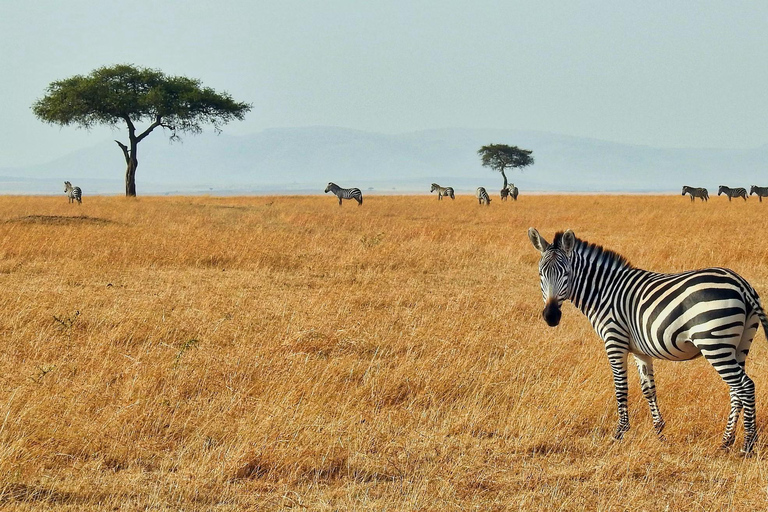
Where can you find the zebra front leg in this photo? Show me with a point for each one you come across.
(645, 369)
(618, 360)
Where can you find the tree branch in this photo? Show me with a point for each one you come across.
(158, 122)
(125, 151)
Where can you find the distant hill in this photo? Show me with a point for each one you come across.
(303, 160)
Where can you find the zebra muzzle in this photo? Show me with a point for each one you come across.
(552, 313)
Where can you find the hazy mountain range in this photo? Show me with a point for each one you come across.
(303, 160)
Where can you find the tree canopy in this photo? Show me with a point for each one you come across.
(500, 157)
(132, 95)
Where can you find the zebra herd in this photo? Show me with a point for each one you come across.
(741, 192)
(481, 194)
(712, 312)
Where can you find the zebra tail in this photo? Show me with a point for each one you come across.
(754, 298)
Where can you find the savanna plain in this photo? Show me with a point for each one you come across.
(275, 353)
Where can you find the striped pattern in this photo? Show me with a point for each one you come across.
(713, 312)
(482, 196)
(732, 192)
(345, 193)
(442, 191)
(760, 191)
(700, 192)
(73, 193)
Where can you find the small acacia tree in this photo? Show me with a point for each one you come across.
(500, 157)
(128, 94)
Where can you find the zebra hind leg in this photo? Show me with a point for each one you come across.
(645, 370)
(730, 366)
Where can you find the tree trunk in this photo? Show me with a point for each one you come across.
(505, 179)
(131, 163)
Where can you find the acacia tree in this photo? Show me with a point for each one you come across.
(134, 95)
(500, 157)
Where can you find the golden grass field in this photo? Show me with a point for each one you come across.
(275, 353)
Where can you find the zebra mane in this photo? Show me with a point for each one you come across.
(596, 251)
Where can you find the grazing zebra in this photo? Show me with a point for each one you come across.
(713, 312)
(760, 191)
(732, 192)
(482, 196)
(73, 193)
(442, 191)
(345, 193)
(700, 192)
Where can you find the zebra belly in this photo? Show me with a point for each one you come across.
(671, 324)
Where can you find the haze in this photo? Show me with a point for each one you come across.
(663, 74)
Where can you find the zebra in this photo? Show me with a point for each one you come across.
(482, 196)
(509, 191)
(732, 192)
(700, 192)
(712, 312)
(760, 191)
(73, 193)
(345, 193)
(442, 191)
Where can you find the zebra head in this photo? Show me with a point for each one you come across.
(435, 186)
(555, 271)
(753, 190)
(329, 187)
(722, 190)
(67, 186)
(685, 189)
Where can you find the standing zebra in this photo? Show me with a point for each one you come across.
(760, 191)
(732, 192)
(73, 193)
(509, 191)
(700, 192)
(345, 193)
(442, 191)
(713, 312)
(482, 196)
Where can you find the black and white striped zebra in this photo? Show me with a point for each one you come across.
(73, 193)
(511, 191)
(713, 312)
(760, 191)
(442, 191)
(482, 196)
(700, 192)
(345, 193)
(732, 192)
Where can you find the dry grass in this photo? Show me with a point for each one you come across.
(274, 353)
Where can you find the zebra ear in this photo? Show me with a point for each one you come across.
(568, 242)
(537, 240)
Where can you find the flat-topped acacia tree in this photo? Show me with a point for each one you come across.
(134, 95)
(501, 156)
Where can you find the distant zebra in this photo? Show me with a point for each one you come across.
(345, 193)
(509, 191)
(732, 192)
(73, 193)
(442, 191)
(700, 192)
(760, 191)
(712, 312)
(482, 196)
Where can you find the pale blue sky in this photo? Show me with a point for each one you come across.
(669, 74)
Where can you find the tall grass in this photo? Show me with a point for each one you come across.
(282, 352)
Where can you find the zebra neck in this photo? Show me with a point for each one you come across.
(594, 273)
